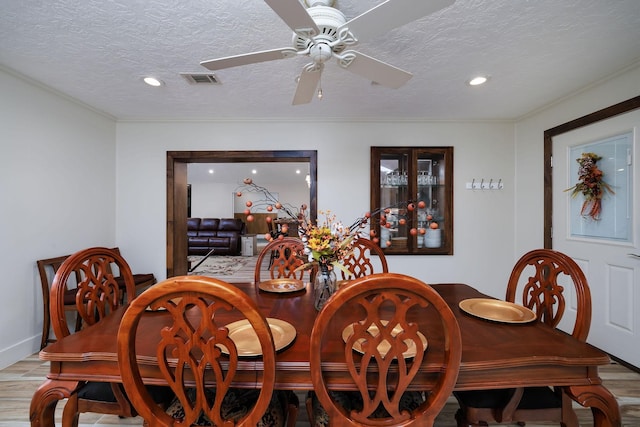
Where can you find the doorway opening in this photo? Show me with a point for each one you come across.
(177, 191)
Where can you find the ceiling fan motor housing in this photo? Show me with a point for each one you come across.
(328, 19)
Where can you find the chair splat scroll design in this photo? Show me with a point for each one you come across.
(359, 261)
(196, 355)
(542, 276)
(384, 310)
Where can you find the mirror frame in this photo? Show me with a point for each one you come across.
(177, 162)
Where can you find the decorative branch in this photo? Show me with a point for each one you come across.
(305, 224)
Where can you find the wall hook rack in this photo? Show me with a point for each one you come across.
(483, 184)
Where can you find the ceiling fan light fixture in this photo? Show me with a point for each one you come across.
(312, 3)
(153, 81)
(320, 95)
(477, 80)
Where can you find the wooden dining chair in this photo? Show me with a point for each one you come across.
(359, 261)
(372, 326)
(198, 358)
(541, 276)
(286, 255)
(97, 293)
(47, 269)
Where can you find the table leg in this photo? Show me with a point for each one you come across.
(605, 409)
(45, 399)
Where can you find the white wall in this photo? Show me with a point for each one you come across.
(212, 199)
(530, 144)
(57, 183)
(483, 221)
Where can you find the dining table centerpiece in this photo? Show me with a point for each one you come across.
(327, 242)
(326, 245)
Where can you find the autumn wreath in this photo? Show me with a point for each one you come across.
(590, 185)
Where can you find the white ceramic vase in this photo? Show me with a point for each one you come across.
(433, 238)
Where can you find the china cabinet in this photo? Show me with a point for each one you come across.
(412, 188)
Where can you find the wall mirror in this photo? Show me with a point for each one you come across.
(182, 166)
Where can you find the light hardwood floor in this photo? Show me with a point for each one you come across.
(19, 381)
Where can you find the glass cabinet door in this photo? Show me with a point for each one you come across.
(411, 199)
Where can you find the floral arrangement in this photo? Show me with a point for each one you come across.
(328, 242)
(590, 185)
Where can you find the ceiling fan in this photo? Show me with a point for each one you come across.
(321, 32)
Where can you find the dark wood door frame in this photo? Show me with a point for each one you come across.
(605, 113)
(177, 162)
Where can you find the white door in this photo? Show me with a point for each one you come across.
(605, 249)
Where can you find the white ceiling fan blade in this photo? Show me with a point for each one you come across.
(248, 58)
(391, 14)
(373, 69)
(307, 85)
(294, 14)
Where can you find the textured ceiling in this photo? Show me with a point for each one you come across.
(536, 52)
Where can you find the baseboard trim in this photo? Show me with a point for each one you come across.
(18, 351)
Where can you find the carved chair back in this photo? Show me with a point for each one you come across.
(542, 275)
(359, 261)
(284, 256)
(372, 325)
(98, 292)
(194, 351)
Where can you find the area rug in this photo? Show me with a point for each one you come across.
(220, 265)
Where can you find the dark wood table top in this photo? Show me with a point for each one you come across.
(494, 355)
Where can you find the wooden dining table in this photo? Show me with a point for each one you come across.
(494, 355)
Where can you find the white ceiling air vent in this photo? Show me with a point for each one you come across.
(201, 78)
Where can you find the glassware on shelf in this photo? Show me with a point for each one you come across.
(426, 179)
(395, 178)
(404, 179)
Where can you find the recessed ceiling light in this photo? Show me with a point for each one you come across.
(253, 171)
(478, 80)
(210, 170)
(152, 81)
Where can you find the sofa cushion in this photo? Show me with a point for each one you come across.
(219, 242)
(231, 224)
(209, 224)
(193, 225)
